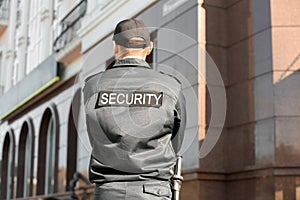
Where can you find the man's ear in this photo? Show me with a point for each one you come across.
(149, 49)
(116, 49)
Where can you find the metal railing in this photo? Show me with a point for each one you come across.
(69, 26)
(4, 9)
(84, 192)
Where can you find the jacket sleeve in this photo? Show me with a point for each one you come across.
(179, 123)
(85, 92)
(88, 86)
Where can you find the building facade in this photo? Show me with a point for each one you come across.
(48, 47)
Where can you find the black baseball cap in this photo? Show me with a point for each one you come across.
(130, 28)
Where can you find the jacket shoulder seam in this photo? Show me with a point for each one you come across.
(172, 76)
(92, 76)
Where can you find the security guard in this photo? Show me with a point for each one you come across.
(135, 120)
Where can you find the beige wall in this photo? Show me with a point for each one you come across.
(255, 45)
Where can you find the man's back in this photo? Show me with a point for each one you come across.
(135, 119)
(132, 112)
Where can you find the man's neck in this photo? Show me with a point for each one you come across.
(133, 57)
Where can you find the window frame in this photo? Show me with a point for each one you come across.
(2, 72)
(8, 159)
(25, 160)
(49, 113)
(35, 38)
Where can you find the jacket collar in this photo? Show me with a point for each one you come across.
(131, 62)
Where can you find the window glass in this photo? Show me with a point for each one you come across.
(24, 180)
(50, 158)
(9, 172)
(47, 154)
(7, 164)
(27, 165)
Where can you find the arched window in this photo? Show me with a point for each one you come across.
(47, 175)
(25, 160)
(72, 138)
(7, 166)
(50, 158)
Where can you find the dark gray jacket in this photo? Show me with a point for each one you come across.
(135, 120)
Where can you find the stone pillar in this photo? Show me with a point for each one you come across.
(91, 5)
(2, 70)
(11, 45)
(23, 39)
(46, 24)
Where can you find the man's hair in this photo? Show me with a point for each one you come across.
(134, 40)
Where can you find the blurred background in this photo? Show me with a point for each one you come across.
(47, 47)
